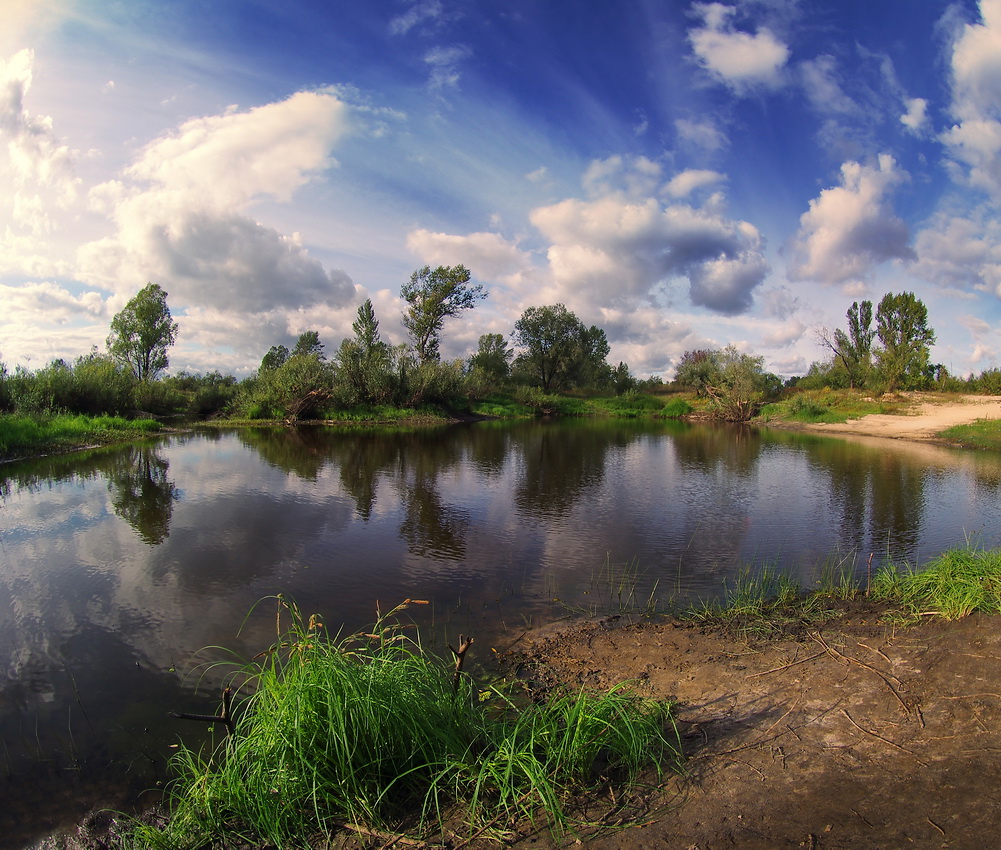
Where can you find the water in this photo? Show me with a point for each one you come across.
(117, 566)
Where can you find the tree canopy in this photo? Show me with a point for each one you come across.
(434, 295)
(905, 337)
(142, 332)
(558, 350)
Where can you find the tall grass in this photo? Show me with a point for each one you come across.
(32, 434)
(371, 731)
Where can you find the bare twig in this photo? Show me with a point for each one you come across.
(884, 740)
(460, 657)
(225, 717)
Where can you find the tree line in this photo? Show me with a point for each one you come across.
(551, 351)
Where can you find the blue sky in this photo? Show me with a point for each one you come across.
(682, 174)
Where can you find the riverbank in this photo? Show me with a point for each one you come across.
(852, 733)
(926, 418)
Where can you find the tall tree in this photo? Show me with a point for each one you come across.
(308, 343)
(905, 337)
(492, 358)
(365, 361)
(854, 349)
(558, 351)
(276, 356)
(434, 295)
(142, 332)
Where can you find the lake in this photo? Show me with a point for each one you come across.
(119, 566)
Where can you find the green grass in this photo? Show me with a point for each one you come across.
(370, 730)
(830, 406)
(33, 435)
(982, 434)
(959, 582)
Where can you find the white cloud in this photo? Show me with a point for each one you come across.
(915, 119)
(961, 252)
(428, 12)
(612, 250)
(686, 182)
(630, 176)
(181, 210)
(823, 87)
(700, 136)
(738, 59)
(852, 227)
(975, 140)
(444, 64)
(37, 176)
(488, 256)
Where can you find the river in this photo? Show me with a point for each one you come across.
(119, 566)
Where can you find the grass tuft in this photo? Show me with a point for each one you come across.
(371, 731)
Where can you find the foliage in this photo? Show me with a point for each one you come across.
(982, 434)
(824, 374)
(676, 408)
(142, 332)
(954, 585)
(558, 352)
(203, 395)
(735, 384)
(434, 295)
(308, 344)
(853, 350)
(94, 384)
(298, 389)
(905, 337)
(369, 729)
(490, 366)
(22, 435)
(275, 357)
(824, 406)
(365, 374)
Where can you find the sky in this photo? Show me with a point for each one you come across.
(682, 174)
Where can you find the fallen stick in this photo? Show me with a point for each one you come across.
(225, 717)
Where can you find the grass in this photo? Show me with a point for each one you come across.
(23, 435)
(369, 732)
(982, 434)
(959, 582)
(830, 406)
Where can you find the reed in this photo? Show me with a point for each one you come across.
(371, 732)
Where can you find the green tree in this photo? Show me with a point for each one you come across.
(558, 350)
(492, 358)
(309, 343)
(734, 383)
(854, 349)
(905, 339)
(275, 357)
(434, 295)
(142, 332)
(365, 362)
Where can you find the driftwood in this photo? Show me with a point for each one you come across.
(225, 717)
(460, 657)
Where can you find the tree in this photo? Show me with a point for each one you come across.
(492, 358)
(734, 383)
(903, 331)
(142, 332)
(309, 343)
(365, 361)
(854, 349)
(275, 357)
(434, 295)
(558, 351)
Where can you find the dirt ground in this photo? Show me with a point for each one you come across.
(852, 734)
(928, 416)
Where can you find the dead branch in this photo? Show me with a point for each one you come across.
(225, 717)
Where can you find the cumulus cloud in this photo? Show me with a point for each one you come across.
(975, 140)
(37, 176)
(181, 209)
(686, 182)
(852, 227)
(961, 252)
(738, 59)
(612, 249)
(915, 119)
(488, 256)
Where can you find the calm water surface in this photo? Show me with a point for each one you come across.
(119, 565)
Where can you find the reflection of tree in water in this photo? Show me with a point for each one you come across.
(734, 449)
(302, 451)
(431, 528)
(142, 494)
(562, 461)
